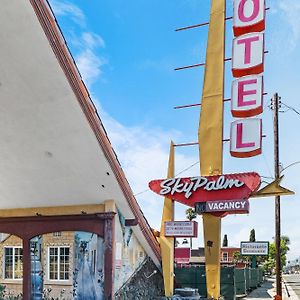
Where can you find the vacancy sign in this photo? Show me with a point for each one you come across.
(255, 248)
(248, 16)
(247, 67)
(181, 228)
(232, 206)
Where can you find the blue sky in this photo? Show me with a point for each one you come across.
(126, 52)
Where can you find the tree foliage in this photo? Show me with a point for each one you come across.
(252, 235)
(190, 214)
(270, 262)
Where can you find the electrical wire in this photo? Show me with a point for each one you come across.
(267, 165)
(291, 108)
(194, 164)
(186, 169)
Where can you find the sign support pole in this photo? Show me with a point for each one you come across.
(167, 243)
(277, 198)
(210, 137)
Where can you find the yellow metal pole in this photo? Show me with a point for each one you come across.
(210, 137)
(167, 243)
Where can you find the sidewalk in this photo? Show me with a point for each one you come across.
(267, 291)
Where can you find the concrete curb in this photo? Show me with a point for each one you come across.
(293, 295)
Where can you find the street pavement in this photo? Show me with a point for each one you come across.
(263, 292)
(290, 289)
(293, 283)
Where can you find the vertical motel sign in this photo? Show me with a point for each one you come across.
(247, 68)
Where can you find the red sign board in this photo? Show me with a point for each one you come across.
(191, 190)
(182, 255)
(181, 228)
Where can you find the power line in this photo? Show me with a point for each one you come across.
(291, 108)
(186, 169)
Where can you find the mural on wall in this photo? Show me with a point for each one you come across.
(129, 254)
(67, 265)
(64, 265)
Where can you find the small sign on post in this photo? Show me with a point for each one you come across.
(255, 248)
(181, 228)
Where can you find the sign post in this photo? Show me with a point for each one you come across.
(210, 136)
(167, 242)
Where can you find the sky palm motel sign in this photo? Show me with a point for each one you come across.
(220, 193)
(230, 193)
(247, 68)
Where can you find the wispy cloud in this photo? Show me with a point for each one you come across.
(93, 40)
(89, 65)
(62, 8)
(87, 44)
(289, 11)
(88, 60)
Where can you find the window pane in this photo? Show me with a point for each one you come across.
(18, 263)
(59, 263)
(64, 263)
(8, 273)
(13, 267)
(53, 263)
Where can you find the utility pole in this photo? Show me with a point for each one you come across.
(275, 107)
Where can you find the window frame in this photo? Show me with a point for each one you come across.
(58, 263)
(227, 257)
(13, 262)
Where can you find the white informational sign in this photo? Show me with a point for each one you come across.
(246, 137)
(181, 228)
(247, 96)
(248, 54)
(248, 16)
(254, 248)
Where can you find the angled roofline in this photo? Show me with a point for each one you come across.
(59, 46)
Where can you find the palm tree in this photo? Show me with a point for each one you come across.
(191, 215)
(252, 235)
(225, 241)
